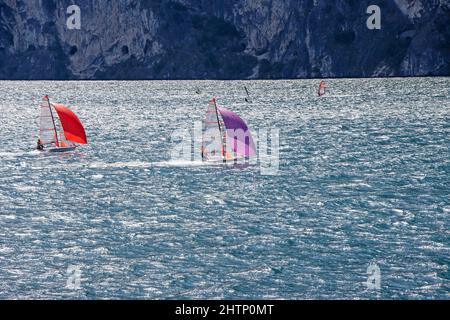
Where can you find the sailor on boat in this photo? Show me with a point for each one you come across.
(40, 146)
(202, 149)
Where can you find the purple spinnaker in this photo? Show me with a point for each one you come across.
(238, 134)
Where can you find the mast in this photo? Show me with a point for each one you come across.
(221, 133)
(53, 120)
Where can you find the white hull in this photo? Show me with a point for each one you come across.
(223, 160)
(59, 150)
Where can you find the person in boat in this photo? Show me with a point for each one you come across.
(204, 157)
(40, 146)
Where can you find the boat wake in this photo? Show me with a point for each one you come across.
(182, 163)
(17, 154)
(340, 96)
(129, 164)
(143, 164)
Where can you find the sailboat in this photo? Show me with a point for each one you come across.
(59, 128)
(226, 137)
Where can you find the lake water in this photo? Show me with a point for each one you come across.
(362, 193)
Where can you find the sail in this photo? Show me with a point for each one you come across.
(238, 136)
(71, 126)
(62, 140)
(213, 136)
(47, 129)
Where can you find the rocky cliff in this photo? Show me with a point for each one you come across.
(222, 39)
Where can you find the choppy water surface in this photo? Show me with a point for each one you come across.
(363, 178)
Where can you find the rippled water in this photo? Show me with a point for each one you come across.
(363, 179)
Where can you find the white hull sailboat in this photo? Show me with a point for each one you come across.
(226, 137)
(60, 130)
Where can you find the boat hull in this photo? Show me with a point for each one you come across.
(59, 150)
(230, 160)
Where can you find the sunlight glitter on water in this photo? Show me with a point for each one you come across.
(363, 177)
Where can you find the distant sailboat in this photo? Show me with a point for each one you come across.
(59, 128)
(322, 88)
(226, 136)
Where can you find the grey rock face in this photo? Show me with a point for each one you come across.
(227, 39)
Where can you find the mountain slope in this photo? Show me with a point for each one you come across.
(235, 39)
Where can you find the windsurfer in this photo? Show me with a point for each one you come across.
(322, 88)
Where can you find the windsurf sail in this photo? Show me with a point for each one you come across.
(322, 88)
(226, 136)
(247, 99)
(59, 127)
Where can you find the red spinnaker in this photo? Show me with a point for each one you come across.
(72, 126)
